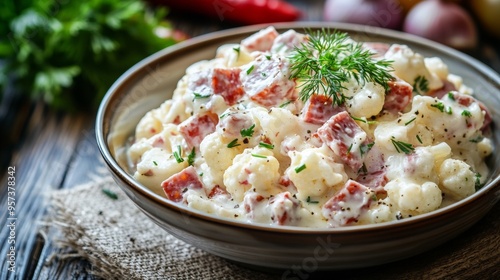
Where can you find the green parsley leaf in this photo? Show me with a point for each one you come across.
(69, 53)
(466, 113)
(155, 163)
(247, 132)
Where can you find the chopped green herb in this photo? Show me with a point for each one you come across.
(419, 140)
(263, 74)
(365, 148)
(449, 111)
(410, 121)
(308, 200)
(249, 70)
(200, 96)
(349, 149)
(201, 174)
(223, 115)
(266, 145)
(259, 156)
(401, 146)
(285, 104)
(268, 57)
(300, 168)
(466, 113)
(364, 120)
(421, 85)
(237, 50)
(155, 163)
(439, 106)
(247, 132)
(110, 194)
(330, 59)
(476, 139)
(233, 143)
(478, 184)
(374, 197)
(191, 157)
(451, 96)
(178, 154)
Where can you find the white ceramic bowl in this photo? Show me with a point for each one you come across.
(152, 81)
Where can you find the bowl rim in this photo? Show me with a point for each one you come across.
(152, 197)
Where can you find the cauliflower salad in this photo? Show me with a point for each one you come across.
(246, 137)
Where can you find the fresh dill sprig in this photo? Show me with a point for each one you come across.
(329, 59)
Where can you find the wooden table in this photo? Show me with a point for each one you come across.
(52, 150)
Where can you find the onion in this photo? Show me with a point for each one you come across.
(443, 22)
(488, 14)
(382, 13)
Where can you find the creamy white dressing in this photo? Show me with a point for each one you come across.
(263, 162)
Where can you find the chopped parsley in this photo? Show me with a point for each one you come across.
(421, 85)
(439, 106)
(233, 143)
(247, 132)
(401, 146)
(300, 168)
(451, 96)
(349, 149)
(155, 163)
(268, 57)
(466, 113)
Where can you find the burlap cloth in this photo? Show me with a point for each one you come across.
(122, 243)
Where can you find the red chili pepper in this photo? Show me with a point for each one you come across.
(238, 11)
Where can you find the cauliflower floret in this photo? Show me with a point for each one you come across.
(313, 172)
(409, 65)
(410, 198)
(218, 157)
(365, 101)
(255, 169)
(155, 166)
(437, 67)
(234, 55)
(457, 180)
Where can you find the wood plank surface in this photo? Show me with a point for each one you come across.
(52, 150)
